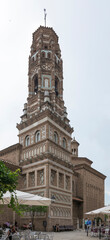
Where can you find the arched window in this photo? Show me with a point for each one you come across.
(56, 86)
(27, 141)
(64, 142)
(37, 136)
(46, 83)
(55, 137)
(36, 84)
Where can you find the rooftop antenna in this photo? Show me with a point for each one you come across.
(45, 14)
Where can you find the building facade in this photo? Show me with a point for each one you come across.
(46, 152)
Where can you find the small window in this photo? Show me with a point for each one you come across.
(53, 177)
(40, 177)
(27, 141)
(46, 83)
(37, 136)
(45, 47)
(43, 54)
(56, 85)
(67, 182)
(31, 179)
(74, 151)
(55, 137)
(36, 84)
(49, 55)
(64, 142)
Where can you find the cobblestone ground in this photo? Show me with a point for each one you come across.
(73, 235)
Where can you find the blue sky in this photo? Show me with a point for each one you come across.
(83, 27)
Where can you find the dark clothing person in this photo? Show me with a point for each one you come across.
(11, 232)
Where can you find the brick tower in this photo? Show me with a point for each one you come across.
(44, 130)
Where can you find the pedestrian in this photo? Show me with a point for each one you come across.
(30, 225)
(11, 231)
(86, 224)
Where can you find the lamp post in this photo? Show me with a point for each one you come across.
(52, 198)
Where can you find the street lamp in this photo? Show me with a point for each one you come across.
(53, 198)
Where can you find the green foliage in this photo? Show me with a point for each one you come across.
(33, 209)
(8, 182)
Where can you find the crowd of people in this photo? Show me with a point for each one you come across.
(10, 229)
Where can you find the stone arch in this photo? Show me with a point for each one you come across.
(55, 137)
(27, 141)
(64, 142)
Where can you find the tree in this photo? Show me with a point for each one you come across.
(33, 210)
(8, 182)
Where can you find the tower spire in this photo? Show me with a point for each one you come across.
(45, 14)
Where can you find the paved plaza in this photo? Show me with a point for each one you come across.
(72, 235)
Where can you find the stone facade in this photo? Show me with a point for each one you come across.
(46, 152)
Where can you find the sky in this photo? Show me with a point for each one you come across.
(83, 27)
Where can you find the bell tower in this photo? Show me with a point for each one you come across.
(44, 130)
(45, 83)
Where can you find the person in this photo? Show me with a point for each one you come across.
(16, 226)
(11, 231)
(86, 224)
(1, 231)
(7, 224)
(30, 225)
(57, 227)
(14, 229)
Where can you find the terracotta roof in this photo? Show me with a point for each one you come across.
(10, 149)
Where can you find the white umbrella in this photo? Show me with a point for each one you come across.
(37, 200)
(103, 210)
(26, 198)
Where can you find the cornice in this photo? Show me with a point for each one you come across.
(41, 158)
(90, 169)
(67, 130)
(41, 115)
(82, 159)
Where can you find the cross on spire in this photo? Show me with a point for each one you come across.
(45, 14)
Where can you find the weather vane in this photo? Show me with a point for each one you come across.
(45, 14)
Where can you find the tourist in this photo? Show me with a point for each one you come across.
(11, 231)
(86, 224)
(30, 225)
